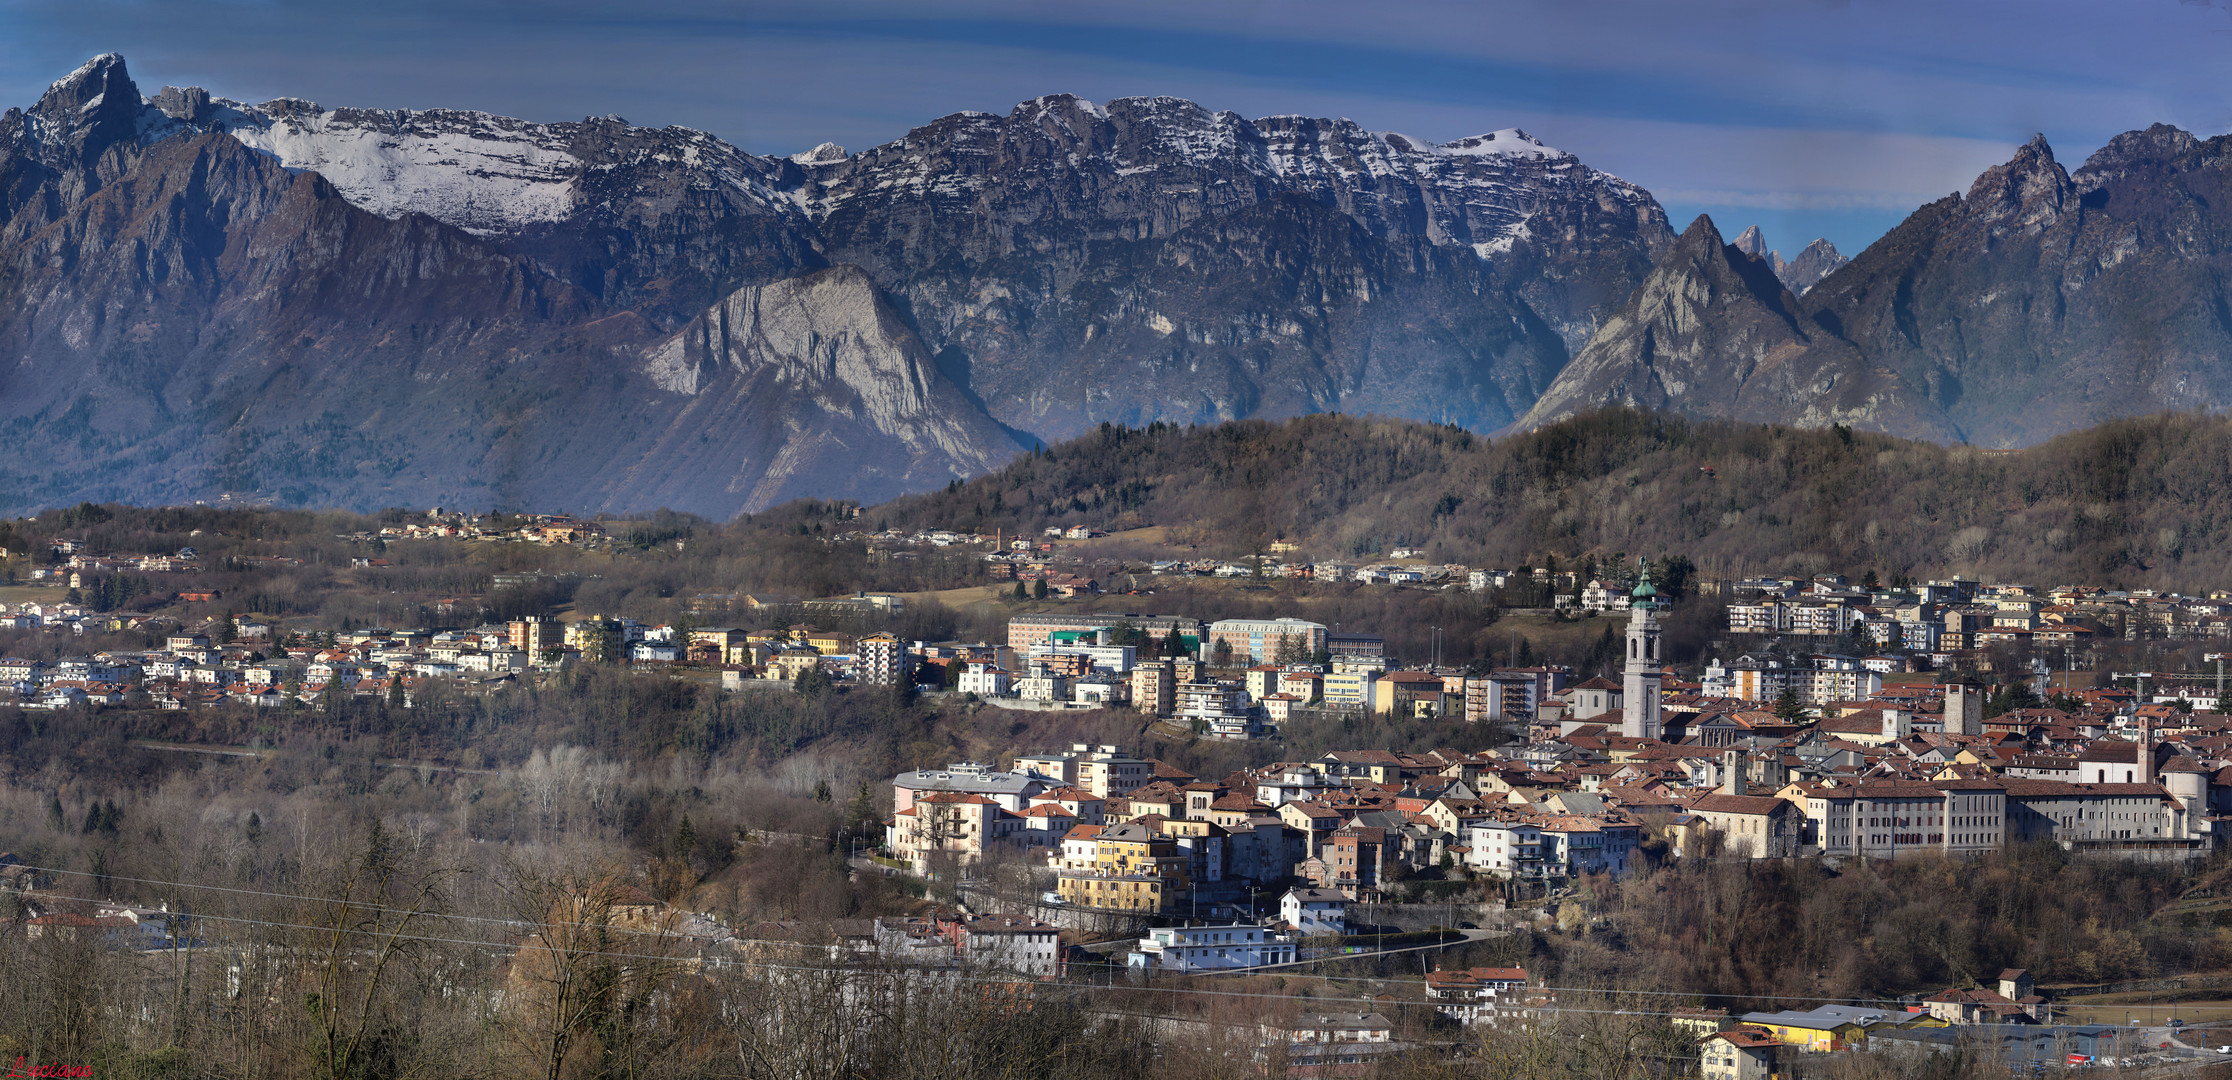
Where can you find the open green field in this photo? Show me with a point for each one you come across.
(2122, 1009)
(12, 595)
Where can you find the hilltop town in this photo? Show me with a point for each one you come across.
(1829, 724)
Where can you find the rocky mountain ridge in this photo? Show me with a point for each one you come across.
(1714, 332)
(2039, 301)
(1063, 265)
(206, 298)
(189, 319)
(1813, 263)
(1011, 239)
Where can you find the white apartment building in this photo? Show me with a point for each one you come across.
(1212, 948)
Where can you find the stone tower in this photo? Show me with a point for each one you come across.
(1964, 710)
(1639, 688)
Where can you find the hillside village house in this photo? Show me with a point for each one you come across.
(1739, 1054)
(1314, 911)
(1472, 995)
(1131, 868)
(1212, 948)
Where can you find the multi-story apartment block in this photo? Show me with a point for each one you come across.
(1920, 635)
(1102, 770)
(1889, 818)
(1749, 678)
(1470, 995)
(1154, 688)
(1822, 685)
(1758, 618)
(880, 659)
(1133, 868)
(534, 634)
(1510, 847)
(1348, 690)
(1041, 628)
(1257, 641)
(1818, 620)
(950, 825)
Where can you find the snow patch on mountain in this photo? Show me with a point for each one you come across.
(1508, 143)
(491, 174)
(482, 173)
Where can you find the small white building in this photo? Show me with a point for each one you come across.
(1013, 943)
(1212, 948)
(1315, 911)
(984, 680)
(1043, 688)
(1354, 1027)
(1103, 691)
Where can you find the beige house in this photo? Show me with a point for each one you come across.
(951, 824)
(1739, 1054)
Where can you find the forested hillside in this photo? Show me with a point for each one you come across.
(2135, 502)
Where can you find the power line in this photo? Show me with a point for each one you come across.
(953, 977)
(397, 935)
(542, 925)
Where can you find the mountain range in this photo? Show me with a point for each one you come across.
(2041, 301)
(1813, 263)
(208, 299)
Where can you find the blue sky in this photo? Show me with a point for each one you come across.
(1806, 117)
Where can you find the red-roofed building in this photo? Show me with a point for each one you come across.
(1743, 1053)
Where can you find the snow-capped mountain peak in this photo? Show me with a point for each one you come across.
(1509, 142)
(497, 175)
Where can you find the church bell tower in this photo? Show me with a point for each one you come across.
(1639, 687)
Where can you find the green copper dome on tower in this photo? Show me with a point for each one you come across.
(1645, 594)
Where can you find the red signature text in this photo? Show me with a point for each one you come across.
(56, 1070)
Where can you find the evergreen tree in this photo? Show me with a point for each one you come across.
(1789, 709)
(255, 827)
(861, 812)
(1038, 589)
(55, 820)
(821, 791)
(1020, 592)
(685, 840)
(811, 681)
(2017, 694)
